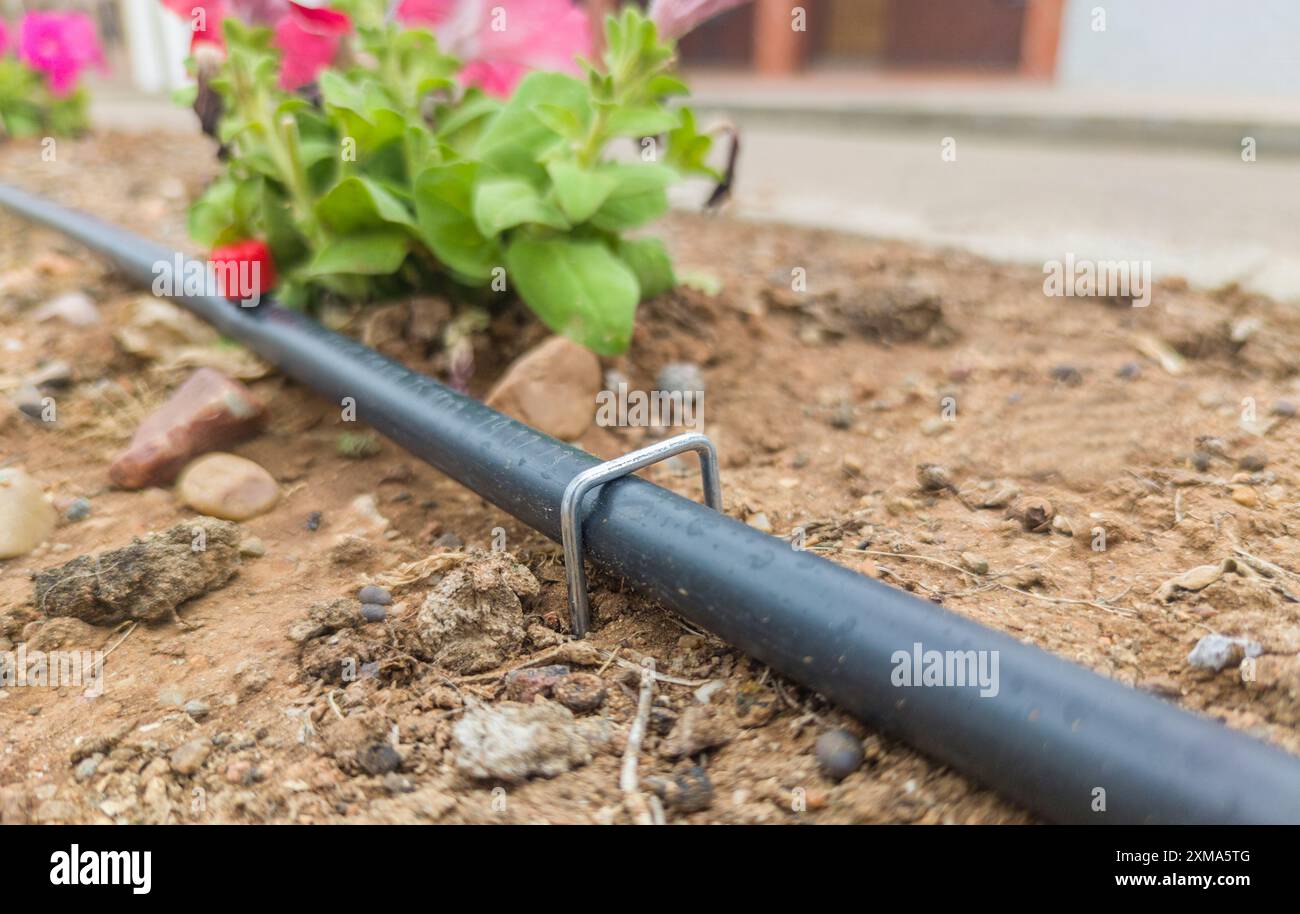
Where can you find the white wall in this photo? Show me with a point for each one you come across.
(1246, 46)
(157, 43)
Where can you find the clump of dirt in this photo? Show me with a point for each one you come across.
(512, 742)
(146, 580)
(473, 620)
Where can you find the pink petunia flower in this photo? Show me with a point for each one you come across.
(309, 39)
(4, 37)
(499, 41)
(205, 16)
(676, 18)
(60, 45)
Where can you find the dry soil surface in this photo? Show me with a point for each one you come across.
(1159, 436)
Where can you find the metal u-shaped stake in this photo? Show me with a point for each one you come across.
(584, 482)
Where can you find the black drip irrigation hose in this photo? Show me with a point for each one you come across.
(1066, 742)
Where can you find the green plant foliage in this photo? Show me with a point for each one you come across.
(29, 108)
(400, 178)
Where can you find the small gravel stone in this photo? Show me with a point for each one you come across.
(1130, 371)
(313, 521)
(1067, 374)
(1285, 408)
(1252, 463)
(373, 612)
(525, 685)
(252, 548)
(1214, 651)
(580, 692)
(78, 510)
(1245, 496)
(227, 486)
(760, 522)
(1201, 461)
(196, 709)
(373, 593)
(680, 376)
(974, 563)
(933, 477)
(379, 758)
(839, 754)
(687, 791)
(87, 767)
(190, 757)
(26, 518)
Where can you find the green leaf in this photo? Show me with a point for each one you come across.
(357, 204)
(641, 121)
(213, 213)
(579, 192)
(503, 203)
(649, 260)
(372, 254)
(516, 138)
(688, 149)
(639, 196)
(577, 288)
(444, 211)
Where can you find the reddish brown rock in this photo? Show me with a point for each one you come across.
(552, 387)
(208, 412)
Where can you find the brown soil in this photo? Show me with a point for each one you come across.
(823, 404)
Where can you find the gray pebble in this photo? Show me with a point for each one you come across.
(373, 612)
(1252, 463)
(380, 758)
(197, 709)
(1067, 374)
(87, 767)
(78, 510)
(1214, 652)
(688, 791)
(372, 593)
(1284, 408)
(839, 754)
(683, 376)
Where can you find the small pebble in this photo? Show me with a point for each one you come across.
(78, 510)
(87, 767)
(1252, 463)
(1245, 496)
(380, 758)
(449, 541)
(1201, 461)
(526, 684)
(373, 612)
(933, 477)
(1284, 408)
(760, 522)
(313, 521)
(974, 563)
(580, 692)
(227, 486)
(1067, 374)
(196, 709)
(26, 518)
(1214, 651)
(252, 548)
(839, 754)
(373, 593)
(688, 791)
(1130, 371)
(680, 376)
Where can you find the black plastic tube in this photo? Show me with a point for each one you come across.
(1067, 743)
